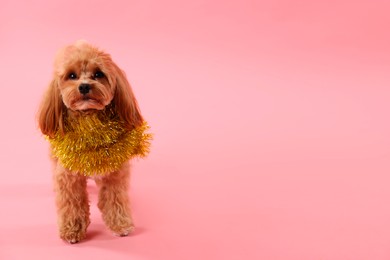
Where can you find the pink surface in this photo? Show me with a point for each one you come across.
(271, 122)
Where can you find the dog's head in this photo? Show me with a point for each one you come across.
(86, 80)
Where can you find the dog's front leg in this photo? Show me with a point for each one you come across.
(114, 201)
(72, 205)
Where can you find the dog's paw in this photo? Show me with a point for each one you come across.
(74, 231)
(124, 232)
(72, 237)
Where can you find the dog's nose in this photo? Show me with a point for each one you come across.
(84, 88)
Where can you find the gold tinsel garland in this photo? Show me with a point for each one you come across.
(98, 143)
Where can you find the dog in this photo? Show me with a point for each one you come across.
(86, 82)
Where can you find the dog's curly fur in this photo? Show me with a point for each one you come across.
(86, 80)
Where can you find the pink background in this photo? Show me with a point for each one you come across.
(271, 122)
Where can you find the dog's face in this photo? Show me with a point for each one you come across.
(86, 79)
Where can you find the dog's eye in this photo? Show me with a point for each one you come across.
(72, 76)
(98, 75)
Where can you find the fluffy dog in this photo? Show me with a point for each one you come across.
(85, 82)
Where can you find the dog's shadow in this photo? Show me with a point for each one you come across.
(100, 232)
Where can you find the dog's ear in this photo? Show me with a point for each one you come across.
(125, 104)
(50, 115)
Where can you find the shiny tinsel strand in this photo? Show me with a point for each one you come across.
(98, 144)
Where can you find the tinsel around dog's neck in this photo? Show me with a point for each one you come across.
(98, 143)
